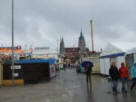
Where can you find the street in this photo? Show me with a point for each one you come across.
(68, 86)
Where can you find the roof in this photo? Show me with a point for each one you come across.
(17, 47)
(111, 51)
(113, 55)
(50, 61)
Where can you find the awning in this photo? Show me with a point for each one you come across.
(50, 61)
(113, 55)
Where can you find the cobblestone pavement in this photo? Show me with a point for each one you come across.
(68, 86)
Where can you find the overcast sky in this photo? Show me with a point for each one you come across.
(42, 22)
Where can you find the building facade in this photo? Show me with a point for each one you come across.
(43, 53)
(74, 52)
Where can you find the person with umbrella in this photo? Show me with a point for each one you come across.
(88, 69)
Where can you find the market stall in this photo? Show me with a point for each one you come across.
(130, 57)
(29, 71)
(110, 54)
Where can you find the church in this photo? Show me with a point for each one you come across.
(74, 52)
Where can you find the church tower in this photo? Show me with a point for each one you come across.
(81, 44)
(62, 47)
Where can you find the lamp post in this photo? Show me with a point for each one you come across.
(12, 30)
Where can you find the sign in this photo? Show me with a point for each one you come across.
(42, 48)
(52, 70)
(16, 67)
(16, 74)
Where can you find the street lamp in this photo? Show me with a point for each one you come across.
(12, 30)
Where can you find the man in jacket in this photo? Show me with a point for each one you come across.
(124, 75)
(114, 74)
(88, 70)
(133, 75)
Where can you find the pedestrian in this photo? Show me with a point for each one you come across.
(114, 74)
(133, 75)
(69, 65)
(88, 70)
(124, 75)
(64, 66)
(78, 68)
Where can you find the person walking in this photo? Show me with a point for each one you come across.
(78, 68)
(114, 74)
(133, 76)
(124, 75)
(88, 70)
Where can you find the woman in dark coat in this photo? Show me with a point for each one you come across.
(114, 74)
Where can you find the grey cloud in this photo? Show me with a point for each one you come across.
(42, 22)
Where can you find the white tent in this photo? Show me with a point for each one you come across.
(130, 57)
(132, 51)
(110, 54)
(44, 53)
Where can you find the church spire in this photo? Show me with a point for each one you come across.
(81, 43)
(62, 46)
(62, 40)
(81, 34)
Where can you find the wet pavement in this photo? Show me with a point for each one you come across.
(68, 86)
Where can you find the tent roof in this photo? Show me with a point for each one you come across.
(112, 50)
(50, 61)
(133, 50)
